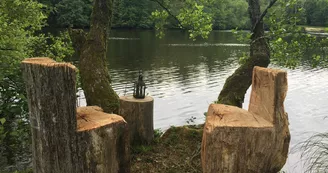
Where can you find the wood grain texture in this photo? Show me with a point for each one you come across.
(254, 141)
(139, 115)
(66, 139)
(103, 141)
(51, 97)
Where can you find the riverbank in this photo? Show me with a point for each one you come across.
(316, 29)
(175, 151)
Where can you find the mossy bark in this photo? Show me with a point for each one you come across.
(236, 85)
(92, 50)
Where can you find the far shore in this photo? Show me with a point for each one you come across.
(318, 29)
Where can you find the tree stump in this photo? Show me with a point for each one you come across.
(139, 115)
(51, 97)
(103, 141)
(254, 141)
(66, 142)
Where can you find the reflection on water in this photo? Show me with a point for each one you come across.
(209, 45)
(184, 77)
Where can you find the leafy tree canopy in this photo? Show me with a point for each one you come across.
(290, 45)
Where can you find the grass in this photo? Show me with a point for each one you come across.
(314, 153)
(175, 151)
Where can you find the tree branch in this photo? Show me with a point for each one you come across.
(272, 2)
(169, 12)
(7, 49)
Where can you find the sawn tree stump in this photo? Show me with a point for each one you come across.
(254, 141)
(103, 141)
(139, 115)
(63, 141)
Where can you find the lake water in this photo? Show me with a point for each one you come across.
(184, 77)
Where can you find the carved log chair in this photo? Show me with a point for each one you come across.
(257, 140)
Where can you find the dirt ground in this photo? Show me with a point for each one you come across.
(176, 151)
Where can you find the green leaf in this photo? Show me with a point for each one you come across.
(2, 120)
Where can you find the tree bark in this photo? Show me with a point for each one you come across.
(51, 97)
(65, 140)
(236, 85)
(139, 115)
(253, 141)
(103, 141)
(95, 78)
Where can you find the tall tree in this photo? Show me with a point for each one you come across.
(288, 42)
(236, 85)
(92, 49)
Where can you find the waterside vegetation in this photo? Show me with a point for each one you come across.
(21, 37)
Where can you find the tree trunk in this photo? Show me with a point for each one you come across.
(235, 87)
(139, 115)
(51, 97)
(95, 78)
(253, 141)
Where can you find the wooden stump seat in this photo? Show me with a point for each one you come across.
(66, 139)
(139, 115)
(253, 141)
(103, 141)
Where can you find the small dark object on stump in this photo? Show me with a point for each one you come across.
(138, 113)
(139, 88)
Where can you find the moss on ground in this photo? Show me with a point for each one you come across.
(176, 151)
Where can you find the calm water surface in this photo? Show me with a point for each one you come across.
(184, 77)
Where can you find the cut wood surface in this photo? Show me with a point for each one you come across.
(269, 89)
(254, 141)
(92, 117)
(103, 141)
(231, 116)
(64, 141)
(139, 115)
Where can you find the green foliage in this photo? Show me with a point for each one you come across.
(133, 13)
(160, 18)
(198, 22)
(67, 13)
(56, 47)
(314, 152)
(200, 17)
(225, 14)
(229, 14)
(20, 23)
(316, 12)
(158, 133)
(290, 44)
(73, 13)
(189, 15)
(191, 120)
(141, 149)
